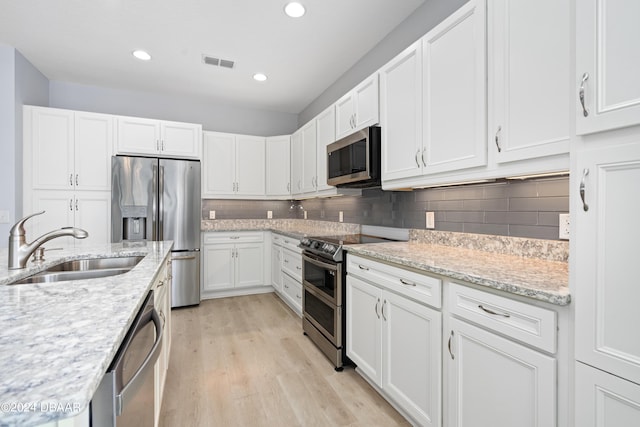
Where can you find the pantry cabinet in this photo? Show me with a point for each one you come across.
(359, 108)
(529, 78)
(233, 166)
(278, 165)
(607, 88)
(158, 138)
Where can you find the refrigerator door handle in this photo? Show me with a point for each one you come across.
(154, 205)
(161, 202)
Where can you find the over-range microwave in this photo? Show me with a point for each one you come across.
(354, 161)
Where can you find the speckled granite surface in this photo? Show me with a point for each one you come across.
(58, 339)
(535, 278)
(297, 228)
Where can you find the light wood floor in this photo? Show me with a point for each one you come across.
(244, 361)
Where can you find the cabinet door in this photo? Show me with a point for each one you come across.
(604, 400)
(366, 103)
(606, 243)
(250, 166)
(59, 212)
(529, 104)
(51, 149)
(93, 148)
(494, 382)
(249, 265)
(296, 162)
(309, 157)
(180, 139)
(219, 267)
(138, 136)
(276, 267)
(364, 331)
(607, 65)
(411, 342)
(401, 114)
(92, 211)
(278, 163)
(454, 91)
(218, 165)
(326, 134)
(345, 119)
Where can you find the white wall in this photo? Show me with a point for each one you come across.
(427, 16)
(212, 116)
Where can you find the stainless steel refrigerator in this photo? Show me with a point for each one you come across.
(159, 199)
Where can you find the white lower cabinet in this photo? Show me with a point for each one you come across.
(292, 293)
(162, 302)
(276, 265)
(286, 270)
(605, 400)
(396, 344)
(233, 262)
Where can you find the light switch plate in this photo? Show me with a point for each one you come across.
(4, 217)
(430, 220)
(269, 214)
(564, 227)
(212, 214)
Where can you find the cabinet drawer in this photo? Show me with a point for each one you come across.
(292, 264)
(293, 289)
(229, 237)
(420, 287)
(291, 244)
(527, 323)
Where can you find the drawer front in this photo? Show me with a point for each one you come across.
(291, 244)
(292, 264)
(419, 287)
(276, 239)
(229, 237)
(293, 289)
(527, 323)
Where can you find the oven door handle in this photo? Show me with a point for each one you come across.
(319, 263)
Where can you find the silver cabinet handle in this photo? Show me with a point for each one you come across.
(160, 283)
(71, 179)
(498, 139)
(183, 258)
(376, 308)
(76, 204)
(417, 161)
(162, 142)
(422, 157)
(585, 172)
(362, 267)
(288, 187)
(298, 296)
(406, 282)
(234, 237)
(449, 346)
(157, 145)
(286, 261)
(286, 286)
(585, 77)
(300, 268)
(383, 316)
(77, 183)
(495, 313)
(71, 204)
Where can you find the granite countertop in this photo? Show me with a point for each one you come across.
(531, 277)
(296, 228)
(58, 339)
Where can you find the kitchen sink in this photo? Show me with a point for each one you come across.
(80, 269)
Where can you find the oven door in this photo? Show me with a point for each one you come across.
(323, 276)
(325, 317)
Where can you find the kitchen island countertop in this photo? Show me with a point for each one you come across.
(58, 339)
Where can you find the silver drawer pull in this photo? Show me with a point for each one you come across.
(585, 206)
(493, 312)
(406, 282)
(298, 267)
(362, 267)
(161, 283)
(286, 261)
(234, 237)
(585, 111)
(449, 345)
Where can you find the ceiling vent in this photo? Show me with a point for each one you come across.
(217, 62)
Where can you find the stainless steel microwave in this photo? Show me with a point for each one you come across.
(354, 161)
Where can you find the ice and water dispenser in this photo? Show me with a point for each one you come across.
(134, 223)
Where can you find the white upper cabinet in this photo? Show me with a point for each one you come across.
(358, 108)
(326, 134)
(233, 166)
(67, 150)
(401, 114)
(607, 94)
(529, 78)
(296, 162)
(454, 91)
(278, 163)
(155, 137)
(309, 176)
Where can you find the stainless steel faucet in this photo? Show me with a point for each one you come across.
(20, 250)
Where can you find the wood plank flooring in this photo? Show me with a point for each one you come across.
(244, 361)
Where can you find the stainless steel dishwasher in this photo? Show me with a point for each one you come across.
(125, 396)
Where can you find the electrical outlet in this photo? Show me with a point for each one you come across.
(212, 214)
(340, 216)
(269, 214)
(565, 226)
(4, 217)
(430, 220)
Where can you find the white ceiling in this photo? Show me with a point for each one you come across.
(90, 42)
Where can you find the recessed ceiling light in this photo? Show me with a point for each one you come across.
(259, 77)
(141, 55)
(294, 9)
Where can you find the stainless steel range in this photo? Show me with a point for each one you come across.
(324, 284)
